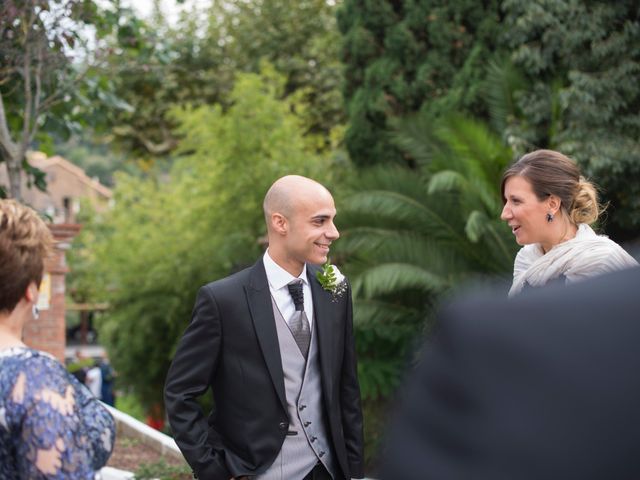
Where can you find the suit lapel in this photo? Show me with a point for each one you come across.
(323, 324)
(260, 306)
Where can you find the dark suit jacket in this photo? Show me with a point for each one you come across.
(543, 386)
(231, 345)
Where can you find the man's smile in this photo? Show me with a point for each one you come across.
(323, 246)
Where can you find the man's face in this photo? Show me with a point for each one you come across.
(311, 229)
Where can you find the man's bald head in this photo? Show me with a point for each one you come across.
(288, 191)
(300, 229)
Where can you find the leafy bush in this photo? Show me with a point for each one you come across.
(166, 237)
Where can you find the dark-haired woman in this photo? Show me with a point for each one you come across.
(51, 427)
(550, 207)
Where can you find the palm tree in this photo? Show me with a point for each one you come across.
(507, 90)
(413, 235)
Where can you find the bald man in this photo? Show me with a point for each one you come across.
(277, 350)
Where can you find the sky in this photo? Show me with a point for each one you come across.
(170, 8)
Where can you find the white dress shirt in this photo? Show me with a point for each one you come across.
(278, 279)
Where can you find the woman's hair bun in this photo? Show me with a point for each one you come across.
(585, 207)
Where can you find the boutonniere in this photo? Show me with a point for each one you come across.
(332, 280)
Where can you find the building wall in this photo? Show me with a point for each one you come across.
(47, 333)
(67, 185)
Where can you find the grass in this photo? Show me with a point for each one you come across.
(130, 405)
(161, 470)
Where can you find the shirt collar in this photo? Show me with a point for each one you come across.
(277, 276)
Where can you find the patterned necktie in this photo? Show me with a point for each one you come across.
(299, 323)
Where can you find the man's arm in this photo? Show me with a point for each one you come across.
(189, 376)
(350, 400)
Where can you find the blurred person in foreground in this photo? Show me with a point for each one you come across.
(540, 386)
(276, 346)
(50, 425)
(550, 207)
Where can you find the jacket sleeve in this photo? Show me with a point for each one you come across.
(189, 376)
(350, 402)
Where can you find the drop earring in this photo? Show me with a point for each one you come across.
(549, 217)
(35, 311)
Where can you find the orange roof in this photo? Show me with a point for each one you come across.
(41, 161)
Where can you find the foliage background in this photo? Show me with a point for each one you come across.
(166, 238)
(407, 110)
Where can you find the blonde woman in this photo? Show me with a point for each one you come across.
(550, 207)
(51, 427)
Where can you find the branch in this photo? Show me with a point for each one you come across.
(28, 95)
(36, 104)
(56, 97)
(167, 144)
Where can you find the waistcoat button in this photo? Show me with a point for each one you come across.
(283, 425)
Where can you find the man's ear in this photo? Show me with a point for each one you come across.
(554, 203)
(279, 223)
(31, 293)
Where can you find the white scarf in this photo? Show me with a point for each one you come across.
(586, 255)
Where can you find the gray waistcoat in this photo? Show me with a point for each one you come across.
(300, 452)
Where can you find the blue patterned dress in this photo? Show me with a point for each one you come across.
(51, 427)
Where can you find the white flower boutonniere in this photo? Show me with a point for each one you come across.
(332, 280)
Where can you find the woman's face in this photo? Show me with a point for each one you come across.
(524, 213)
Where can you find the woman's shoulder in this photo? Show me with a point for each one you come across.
(526, 256)
(39, 368)
(598, 254)
(601, 245)
(29, 357)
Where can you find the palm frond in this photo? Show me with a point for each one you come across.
(480, 153)
(416, 135)
(502, 248)
(392, 277)
(412, 234)
(447, 181)
(503, 82)
(406, 210)
(410, 247)
(476, 225)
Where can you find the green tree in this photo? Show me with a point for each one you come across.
(166, 238)
(160, 67)
(298, 37)
(95, 158)
(404, 57)
(154, 69)
(411, 236)
(47, 74)
(580, 62)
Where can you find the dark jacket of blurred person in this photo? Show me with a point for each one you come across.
(542, 386)
(50, 425)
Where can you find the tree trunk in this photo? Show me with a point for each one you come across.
(14, 171)
(12, 154)
(12, 158)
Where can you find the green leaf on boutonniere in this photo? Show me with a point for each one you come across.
(331, 279)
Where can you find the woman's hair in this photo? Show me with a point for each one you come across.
(25, 242)
(552, 173)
